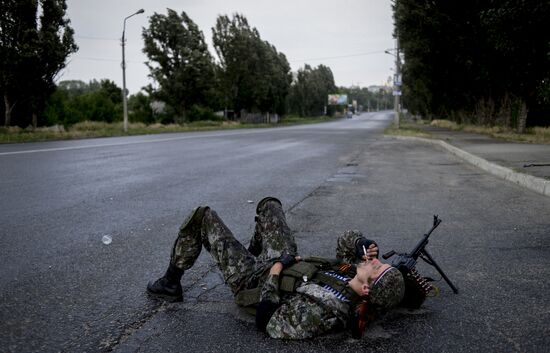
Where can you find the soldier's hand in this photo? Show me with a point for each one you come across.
(372, 252)
(288, 260)
(364, 244)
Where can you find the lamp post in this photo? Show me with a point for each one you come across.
(396, 82)
(124, 97)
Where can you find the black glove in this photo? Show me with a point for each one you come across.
(359, 252)
(287, 260)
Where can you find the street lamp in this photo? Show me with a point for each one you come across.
(124, 98)
(396, 81)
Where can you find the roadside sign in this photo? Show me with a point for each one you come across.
(337, 99)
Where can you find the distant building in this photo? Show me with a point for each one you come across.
(377, 88)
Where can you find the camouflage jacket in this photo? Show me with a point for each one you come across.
(314, 308)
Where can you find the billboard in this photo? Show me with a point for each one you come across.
(337, 99)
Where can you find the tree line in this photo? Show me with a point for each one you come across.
(249, 74)
(33, 50)
(477, 61)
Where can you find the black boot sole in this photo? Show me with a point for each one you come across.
(265, 200)
(165, 297)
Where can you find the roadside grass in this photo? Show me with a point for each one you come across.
(407, 128)
(90, 129)
(531, 135)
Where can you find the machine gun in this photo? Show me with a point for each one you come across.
(416, 287)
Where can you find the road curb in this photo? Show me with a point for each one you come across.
(530, 182)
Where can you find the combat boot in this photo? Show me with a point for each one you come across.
(255, 247)
(168, 287)
(260, 208)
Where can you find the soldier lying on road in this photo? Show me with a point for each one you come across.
(292, 297)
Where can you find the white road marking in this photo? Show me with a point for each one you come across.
(127, 143)
(331, 125)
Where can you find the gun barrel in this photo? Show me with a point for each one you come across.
(415, 253)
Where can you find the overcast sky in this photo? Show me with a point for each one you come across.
(349, 36)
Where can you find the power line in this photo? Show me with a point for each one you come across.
(339, 57)
(292, 61)
(96, 38)
(105, 59)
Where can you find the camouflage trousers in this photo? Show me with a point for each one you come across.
(238, 265)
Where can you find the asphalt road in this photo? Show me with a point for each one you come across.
(63, 289)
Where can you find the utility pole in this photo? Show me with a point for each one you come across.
(124, 96)
(397, 84)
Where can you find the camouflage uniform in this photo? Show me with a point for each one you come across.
(310, 311)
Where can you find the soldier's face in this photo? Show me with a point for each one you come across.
(369, 271)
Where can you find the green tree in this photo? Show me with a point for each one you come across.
(55, 110)
(232, 40)
(33, 52)
(75, 101)
(18, 36)
(55, 44)
(378, 99)
(274, 79)
(253, 75)
(519, 53)
(310, 90)
(485, 61)
(73, 87)
(179, 62)
(111, 90)
(139, 106)
(299, 99)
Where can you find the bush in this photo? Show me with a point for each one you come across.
(291, 118)
(139, 109)
(205, 123)
(542, 132)
(445, 124)
(77, 101)
(198, 112)
(55, 109)
(88, 125)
